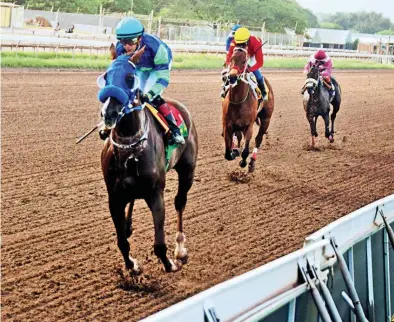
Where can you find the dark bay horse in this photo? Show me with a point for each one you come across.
(240, 110)
(317, 103)
(133, 162)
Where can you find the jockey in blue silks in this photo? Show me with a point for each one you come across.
(153, 68)
(231, 36)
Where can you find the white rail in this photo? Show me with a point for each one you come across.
(256, 294)
(78, 42)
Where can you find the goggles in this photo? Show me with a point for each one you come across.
(128, 41)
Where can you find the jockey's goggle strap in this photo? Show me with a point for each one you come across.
(129, 41)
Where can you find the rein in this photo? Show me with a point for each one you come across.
(246, 97)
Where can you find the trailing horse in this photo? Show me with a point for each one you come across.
(317, 103)
(241, 110)
(135, 159)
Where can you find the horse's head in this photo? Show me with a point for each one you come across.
(238, 63)
(118, 85)
(312, 79)
(314, 72)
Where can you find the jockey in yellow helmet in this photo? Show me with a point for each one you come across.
(253, 45)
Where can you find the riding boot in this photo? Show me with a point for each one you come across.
(261, 86)
(176, 133)
(331, 88)
(165, 110)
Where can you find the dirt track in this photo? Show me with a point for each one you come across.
(59, 256)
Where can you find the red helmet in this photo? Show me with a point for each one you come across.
(320, 54)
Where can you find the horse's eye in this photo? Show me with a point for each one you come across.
(129, 80)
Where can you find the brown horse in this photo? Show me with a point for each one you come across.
(134, 163)
(240, 110)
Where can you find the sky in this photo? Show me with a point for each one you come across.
(385, 7)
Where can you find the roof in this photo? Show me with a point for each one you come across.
(329, 36)
(373, 39)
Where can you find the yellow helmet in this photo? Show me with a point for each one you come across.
(242, 35)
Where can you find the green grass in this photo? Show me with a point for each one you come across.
(299, 63)
(181, 61)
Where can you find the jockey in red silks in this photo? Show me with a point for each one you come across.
(324, 63)
(253, 45)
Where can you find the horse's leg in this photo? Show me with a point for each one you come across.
(333, 116)
(264, 123)
(237, 137)
(312, 124)
(117, 209)
(245, 152)
(156, 205)
(326, 118)
(228, 140)
(185, 169)
(129, 219)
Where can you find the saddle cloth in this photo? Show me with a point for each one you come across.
(251, 79)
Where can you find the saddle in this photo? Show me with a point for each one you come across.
(163, 122)
(253, 85)
(180, 122)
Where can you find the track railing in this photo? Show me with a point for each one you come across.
(22, 42)
(344, 271)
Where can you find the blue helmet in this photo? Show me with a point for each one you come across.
(129, 28)
(235, 27)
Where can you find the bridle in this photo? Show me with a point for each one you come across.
(312, 83)
(241, 76)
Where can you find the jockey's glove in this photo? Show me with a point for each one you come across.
(146, 98)
(224, 73)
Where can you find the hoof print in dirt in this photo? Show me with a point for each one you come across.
(240, 176)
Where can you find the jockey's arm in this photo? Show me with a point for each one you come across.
(326, 68)
(258, 55)
(162, 70)
(120, 50)
(256, 45)
(230, 52)
(307, 67)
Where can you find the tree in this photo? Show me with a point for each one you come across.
(366, 22)
(386, 32)
(330, 25)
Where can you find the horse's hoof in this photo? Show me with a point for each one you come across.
(230, 156)
(236, 152)
(175, 266)
(136, 270)
(331, 138)
(242, 163)
(251, 168)
(183, 259)
(181, 254)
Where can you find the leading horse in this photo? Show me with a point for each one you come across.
(317, 103)
(240, 110)
(134, 163)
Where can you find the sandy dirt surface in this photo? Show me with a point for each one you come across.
(59, 258)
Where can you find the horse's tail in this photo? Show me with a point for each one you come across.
(271, 93)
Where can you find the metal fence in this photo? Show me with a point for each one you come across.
(344, 272)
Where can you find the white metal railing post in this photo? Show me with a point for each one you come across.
(371, 301)
(386, 247)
